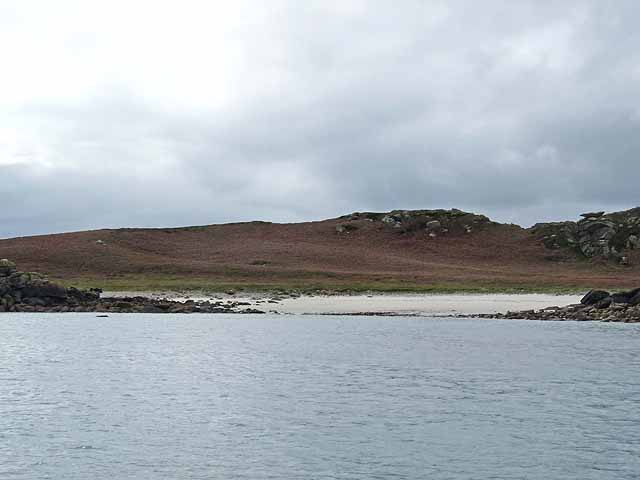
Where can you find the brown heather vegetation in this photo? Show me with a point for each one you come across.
(369, 255)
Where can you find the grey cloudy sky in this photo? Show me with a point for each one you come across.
(120, 113)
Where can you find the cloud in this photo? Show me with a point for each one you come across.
(203, 112)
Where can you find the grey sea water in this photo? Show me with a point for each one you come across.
(302, 397)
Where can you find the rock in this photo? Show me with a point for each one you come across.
(434, 225)
(43, 288)
(34, 301)
(592, 214)
(8, 302)
(31, 292)
(604, 303)
(625, 297)
(152, 309)
(252, 310)
(346, 227)
(7, 267)
(123, 305)
(596, 235)
(594, 296)
(83, 295)
(451, 222)
(633, 292)
(19, 280)
(605, 311)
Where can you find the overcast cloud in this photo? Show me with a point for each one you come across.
(168, 113)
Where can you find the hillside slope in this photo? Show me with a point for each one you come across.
(415, 250)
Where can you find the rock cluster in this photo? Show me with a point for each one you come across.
(23, 291)
(597, 305)
(432, 222)
(596, 235)
(32, 292)
(147, 305)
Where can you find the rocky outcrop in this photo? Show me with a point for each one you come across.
(19, 290)
(596, 305)
(32, 292)
(596, 235)
(146, 305)
(433, 223)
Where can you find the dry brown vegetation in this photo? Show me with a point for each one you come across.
(312, 255)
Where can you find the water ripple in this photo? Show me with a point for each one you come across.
(317, 398)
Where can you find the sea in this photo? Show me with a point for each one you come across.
(135, 396)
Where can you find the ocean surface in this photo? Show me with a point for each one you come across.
(309, 397)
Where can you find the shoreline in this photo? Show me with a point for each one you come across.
(32, 292)
(393, 304)
(348, 289)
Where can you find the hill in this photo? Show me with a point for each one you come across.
(421, 250)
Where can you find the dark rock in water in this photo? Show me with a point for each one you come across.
(635, 300)
(593, 297)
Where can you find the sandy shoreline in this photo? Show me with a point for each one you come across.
(395, 304)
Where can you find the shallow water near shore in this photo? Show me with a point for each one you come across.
(309, 397)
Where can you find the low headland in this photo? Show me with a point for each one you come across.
(33, 292)
(236, 267)
(402, 251)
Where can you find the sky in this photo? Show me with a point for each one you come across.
(149, 114)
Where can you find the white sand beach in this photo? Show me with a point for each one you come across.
(396, 304)
(422, 304)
